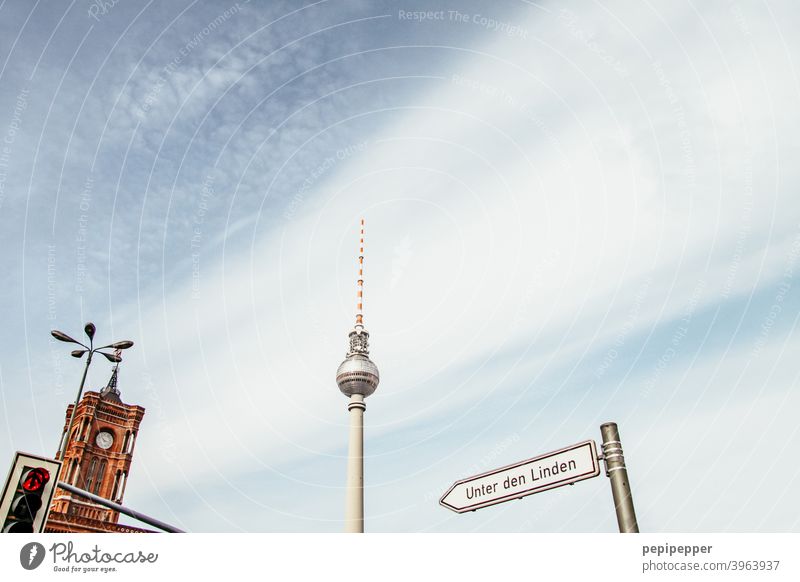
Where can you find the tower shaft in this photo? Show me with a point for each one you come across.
(354, 504)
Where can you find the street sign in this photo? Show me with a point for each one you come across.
(562, 467)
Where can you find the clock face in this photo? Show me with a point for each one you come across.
(104, 440)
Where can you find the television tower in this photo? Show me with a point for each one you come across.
(357, 378)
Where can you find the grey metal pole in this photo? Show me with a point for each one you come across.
(618, 475)
(121, 508)
(64, 440)
(354, 506)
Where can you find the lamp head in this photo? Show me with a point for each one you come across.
(123, 345)
(62, 337)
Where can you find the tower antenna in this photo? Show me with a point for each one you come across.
(360, 305)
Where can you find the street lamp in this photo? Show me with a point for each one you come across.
(89, 328)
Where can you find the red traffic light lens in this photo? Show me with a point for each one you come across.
(34, 480)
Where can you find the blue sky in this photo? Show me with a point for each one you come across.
(575, 213)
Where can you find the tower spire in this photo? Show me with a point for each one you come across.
(359, 337)
(111, 391)
(360, 304)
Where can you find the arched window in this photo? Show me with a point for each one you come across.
(73, 467)
(100, 473)
(90, 474)
(129, 450)
(123, 480)
(115, 488)
(76, 473)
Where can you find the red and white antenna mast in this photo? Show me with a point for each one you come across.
(360, 305)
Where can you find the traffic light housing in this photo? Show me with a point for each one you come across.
(27, 494)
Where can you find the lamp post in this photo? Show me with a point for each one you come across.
(89, 328)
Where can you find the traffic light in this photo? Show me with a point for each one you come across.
(27, 494)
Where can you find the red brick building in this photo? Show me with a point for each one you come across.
(97, 459)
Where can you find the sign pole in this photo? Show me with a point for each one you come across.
(618, 474)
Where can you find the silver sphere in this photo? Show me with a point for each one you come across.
(357, 375)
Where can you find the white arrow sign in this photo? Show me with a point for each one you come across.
(562, 467)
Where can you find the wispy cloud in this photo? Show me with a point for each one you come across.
(590, 221)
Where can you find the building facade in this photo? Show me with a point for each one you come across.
(98, 460)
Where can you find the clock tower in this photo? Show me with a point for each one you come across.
(97, 459)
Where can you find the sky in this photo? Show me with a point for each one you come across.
(576, 212)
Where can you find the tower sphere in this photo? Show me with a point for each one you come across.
(357, 375)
